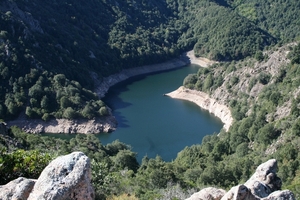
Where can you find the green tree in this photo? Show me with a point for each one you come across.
(208, 83)
(126, 159)
(103, 111)
(69, 113)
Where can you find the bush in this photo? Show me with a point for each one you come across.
(22, 163)
(264, 78)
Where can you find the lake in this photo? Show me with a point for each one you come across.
(154, 124)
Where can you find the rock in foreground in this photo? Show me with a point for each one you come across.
(264, 184)
(66, 177)
(19, 188)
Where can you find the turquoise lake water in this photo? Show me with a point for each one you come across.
(154, 124)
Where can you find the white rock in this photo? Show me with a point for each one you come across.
(18, 189)
(66, 177)
(209, 193)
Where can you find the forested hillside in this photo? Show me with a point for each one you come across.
(40, 40)
(49, 50)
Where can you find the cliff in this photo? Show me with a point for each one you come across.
(204, 101)
(85, 126)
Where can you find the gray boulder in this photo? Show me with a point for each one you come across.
(281, 195)
(65, 178)
(263, 185)
(264, 181)
(240, 192)
(18, 189)
(209, 193)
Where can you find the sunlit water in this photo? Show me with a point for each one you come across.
(154, 124)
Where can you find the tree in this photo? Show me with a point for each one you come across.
(36, 91)
(208, 82)
(264, 78)
(259, 56)
(45, 103)
(88, 112)
(103, 111)
(65, 102)
(69, 113)
(126, 159)
(190, 80)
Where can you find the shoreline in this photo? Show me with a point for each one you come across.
(185, 59)
(108, 124)
(204, 101)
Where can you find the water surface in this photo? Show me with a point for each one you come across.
(154, 124)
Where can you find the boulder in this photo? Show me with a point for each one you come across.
(66, 177)
(280, 195)
(264, 184)
(209, 193)
(264, 181)
(240, 192)
(18, 189)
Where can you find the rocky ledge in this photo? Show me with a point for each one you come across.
(204, 101)
(187, 58)
(66, 177)
(264, 184)
(69, 177)
(85, 126)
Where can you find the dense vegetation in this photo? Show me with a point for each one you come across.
(99, 38)
(222, 160)
(49, 50)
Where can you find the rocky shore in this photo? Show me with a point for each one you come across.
(107, 124)
(186, 58)
(204, 101)
(84, 126)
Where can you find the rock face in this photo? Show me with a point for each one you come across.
(264, 184)
(204, 101)
(103, 86)
(65, 178)
(209, 193)
(264, 181)
(18, 189)
(85, 126)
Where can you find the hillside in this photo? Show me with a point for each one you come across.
(263, 97)
(50, 51)
(72, 41)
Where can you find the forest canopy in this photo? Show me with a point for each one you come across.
(40, 40)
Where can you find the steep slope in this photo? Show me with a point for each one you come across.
(47, 47)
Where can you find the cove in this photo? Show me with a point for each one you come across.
(154, 124)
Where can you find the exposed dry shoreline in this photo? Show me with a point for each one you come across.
(108, 124)
(204, 101)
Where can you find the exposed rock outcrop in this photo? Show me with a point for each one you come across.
(264, 181)
(209, 193)
(98, 125)
(264, 184)
(204, 101)
(187, 58)
(66, 177)
(19, 188)
(103, 86)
